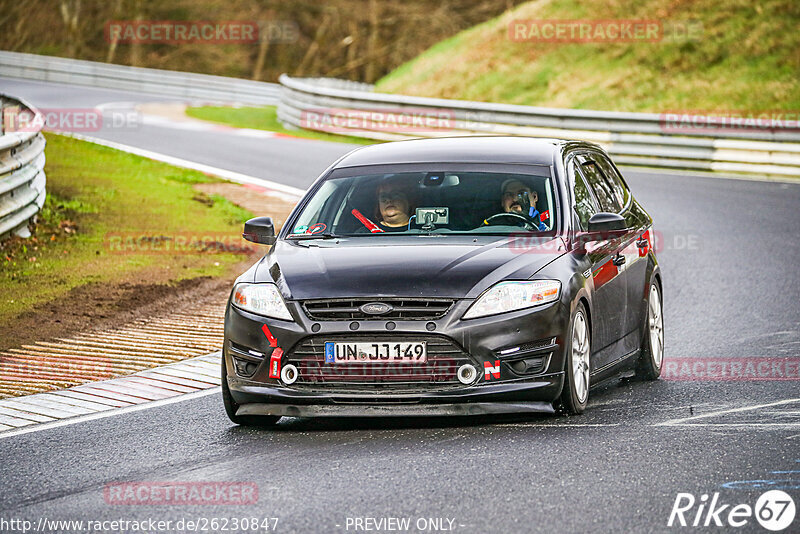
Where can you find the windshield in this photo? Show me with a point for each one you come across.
(430, 202)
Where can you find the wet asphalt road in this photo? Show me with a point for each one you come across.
(731, 290)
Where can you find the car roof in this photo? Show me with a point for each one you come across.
(488, 149)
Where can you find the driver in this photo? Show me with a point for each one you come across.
(393, 205)
(516, 197)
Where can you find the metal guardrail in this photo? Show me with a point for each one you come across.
(632, 138)
(184, 85)
(22, 178)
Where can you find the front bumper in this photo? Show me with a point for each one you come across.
(483, 342)
(388, 410)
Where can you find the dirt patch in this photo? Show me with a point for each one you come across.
(255, 199)
(97, 306)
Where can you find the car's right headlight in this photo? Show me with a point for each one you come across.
(261, 299)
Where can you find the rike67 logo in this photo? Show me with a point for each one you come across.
(774, 510)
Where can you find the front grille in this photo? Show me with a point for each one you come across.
(348, 309)
(444, 359)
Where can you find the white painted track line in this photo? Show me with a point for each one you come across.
(150, 388)
(287, 190)
(692, 421)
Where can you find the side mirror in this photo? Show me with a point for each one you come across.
(260, 230)
(607, 222)
(603, 226)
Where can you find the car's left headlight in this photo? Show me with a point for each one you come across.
(261, 299)
(509, 296)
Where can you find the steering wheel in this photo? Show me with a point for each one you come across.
(516, 220)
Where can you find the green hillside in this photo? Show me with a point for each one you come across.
(744, 55)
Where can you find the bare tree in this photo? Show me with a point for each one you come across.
(112, 45)
(358, 39)
(70, 13)
(372, 41)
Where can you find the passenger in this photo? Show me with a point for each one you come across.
(518, 198)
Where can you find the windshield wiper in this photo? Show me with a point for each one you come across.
(321, 235)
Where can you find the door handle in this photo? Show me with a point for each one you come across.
(618, 260)
(642, 243)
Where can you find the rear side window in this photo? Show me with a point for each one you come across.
(585, 206)
(601, 186)
(621, 192)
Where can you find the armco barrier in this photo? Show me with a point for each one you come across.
(22, 179)
(183, 85)
(632, 138)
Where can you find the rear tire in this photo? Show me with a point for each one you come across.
(231, 406)
(651, 359)
(575, 393)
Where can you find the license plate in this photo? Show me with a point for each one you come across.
(365, 352)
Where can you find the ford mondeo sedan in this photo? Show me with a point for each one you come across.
(457, 276)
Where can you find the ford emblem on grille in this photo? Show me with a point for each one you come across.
(376, 308)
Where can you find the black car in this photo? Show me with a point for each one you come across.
(454, 276)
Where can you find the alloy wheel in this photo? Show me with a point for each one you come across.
(580, 356)
(655, 321)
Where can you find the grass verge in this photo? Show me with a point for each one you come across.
(710, 56)
(113, 219)
(265, 118)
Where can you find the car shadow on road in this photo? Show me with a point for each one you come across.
(607, 401)
(602, 395)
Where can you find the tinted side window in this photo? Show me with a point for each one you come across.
(585, 206)
(601, 187)
(621, 192)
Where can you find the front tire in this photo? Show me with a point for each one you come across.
(575, 394)
(231, 407)
(652, 357)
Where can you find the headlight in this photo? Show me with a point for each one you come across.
(509, 296)
(261, 299)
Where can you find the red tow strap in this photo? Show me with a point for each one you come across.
(371, 226)
(277, 353)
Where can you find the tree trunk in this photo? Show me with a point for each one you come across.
(314, 47)
(112, 46)
(372, 42)
(70, 14)
(263, 48)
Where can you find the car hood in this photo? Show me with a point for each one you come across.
(362, 268)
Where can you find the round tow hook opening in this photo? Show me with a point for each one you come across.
(289, 374)
(466, 374)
